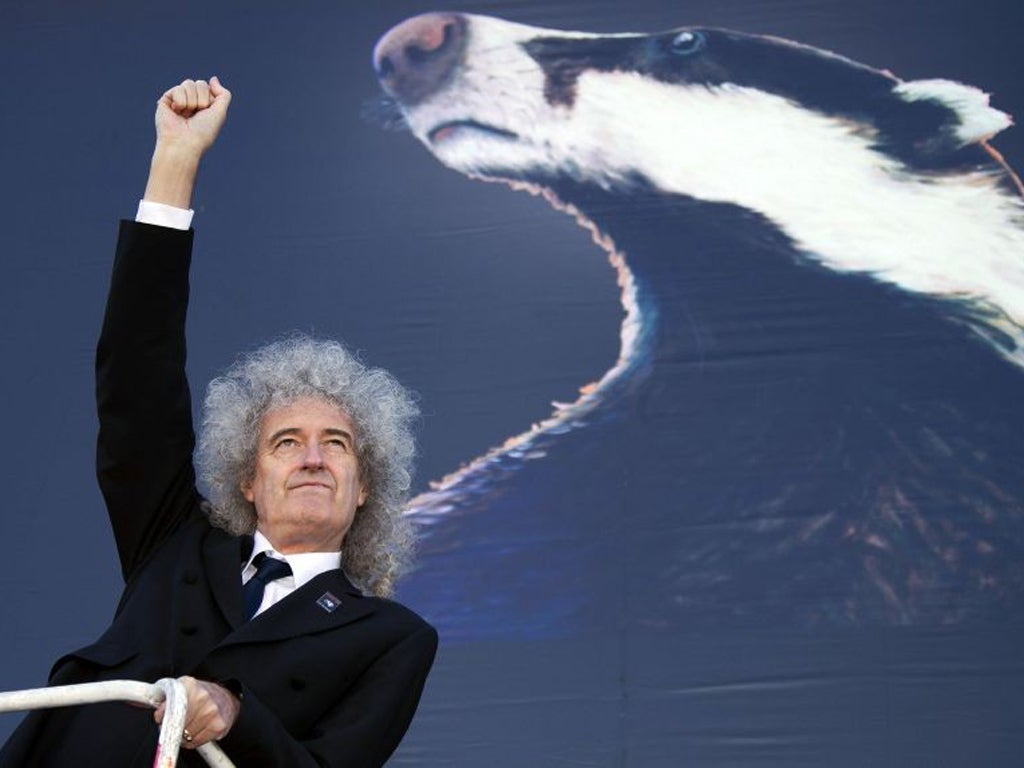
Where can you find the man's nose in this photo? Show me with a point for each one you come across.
(313, 458)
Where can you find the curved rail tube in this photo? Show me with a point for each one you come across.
(150, 694)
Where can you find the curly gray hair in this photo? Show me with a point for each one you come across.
(378, 546)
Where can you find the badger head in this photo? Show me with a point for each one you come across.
(509, 100)
(863, 172)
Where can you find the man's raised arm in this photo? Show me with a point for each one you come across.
(188, 118)
(144, 453)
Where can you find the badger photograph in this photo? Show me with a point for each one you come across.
(814, 423)
(712, 314)
(822, 272)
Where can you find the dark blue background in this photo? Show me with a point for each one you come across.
(488, 303)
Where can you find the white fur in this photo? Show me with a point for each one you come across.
(978, 121)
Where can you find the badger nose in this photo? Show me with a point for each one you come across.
(417, 57)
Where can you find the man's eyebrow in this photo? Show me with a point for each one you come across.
(281, 433)
(334, 431)
(339, 432)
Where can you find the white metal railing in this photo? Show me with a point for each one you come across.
(152, 694)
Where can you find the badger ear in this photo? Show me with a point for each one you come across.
(974, 120)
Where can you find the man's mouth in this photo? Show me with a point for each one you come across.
(311, 484)
(448, 129)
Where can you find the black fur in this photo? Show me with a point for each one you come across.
(808, 447)
(921, 133)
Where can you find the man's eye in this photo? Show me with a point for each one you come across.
(286, 443)
(336, 444)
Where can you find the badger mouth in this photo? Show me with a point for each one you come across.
(449, 128)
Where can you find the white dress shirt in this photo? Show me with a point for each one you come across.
(163, 215)
(304, 567)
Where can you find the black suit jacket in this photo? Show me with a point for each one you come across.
(320, 686)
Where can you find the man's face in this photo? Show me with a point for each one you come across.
(306, 485)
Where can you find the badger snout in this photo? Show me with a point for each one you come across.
(414, 59)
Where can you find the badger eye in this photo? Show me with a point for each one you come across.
(687, 42)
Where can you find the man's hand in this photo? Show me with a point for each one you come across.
(188, 118)
(190, 115)
(212, 710)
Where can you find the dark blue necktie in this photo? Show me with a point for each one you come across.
(268, 569)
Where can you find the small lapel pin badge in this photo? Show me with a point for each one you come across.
(328, 602)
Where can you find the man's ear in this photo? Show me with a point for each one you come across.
(246, 488)
(364, 492)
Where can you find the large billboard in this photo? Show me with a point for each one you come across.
(715, 314)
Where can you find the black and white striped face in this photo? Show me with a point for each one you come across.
(864, 172)
(501, 99)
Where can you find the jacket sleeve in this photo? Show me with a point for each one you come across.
(144, 450)
(359, 731)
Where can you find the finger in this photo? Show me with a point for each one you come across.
(197, 705)
(202, 728)
(211, 710)
(191, 95)
(221, 96)
(175, 99)
(202, 94)
(158, 713)
(188, 736)
(212, 728)
(199, 737)
(180, 95)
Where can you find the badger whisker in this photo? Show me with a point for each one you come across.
(384, 112)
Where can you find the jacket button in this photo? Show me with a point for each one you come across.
(188, 630)
(297, 684)
(190, 577)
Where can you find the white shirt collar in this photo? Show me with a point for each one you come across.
(305, 566)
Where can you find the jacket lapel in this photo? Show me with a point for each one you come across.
(326, 602)
(223, 556)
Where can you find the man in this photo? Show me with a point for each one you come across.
(307, 456)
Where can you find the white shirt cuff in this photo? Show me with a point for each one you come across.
(163, 215)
